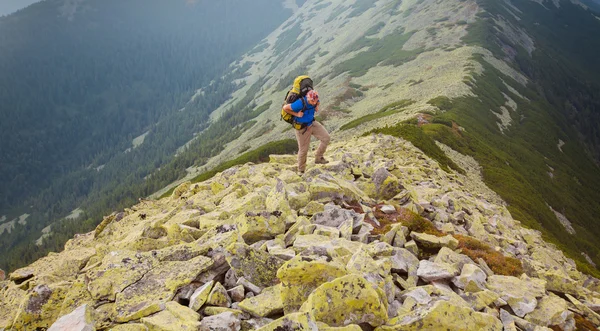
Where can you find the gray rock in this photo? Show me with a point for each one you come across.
(335, 216)
(471, 279)
(419, 295)
(79, 319)
(430, 271)
(226, 321)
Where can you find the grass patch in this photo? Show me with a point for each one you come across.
(387, 51)
(259, 155)
(388, 110)
(361, 6)
(500, 264)
(420, 139)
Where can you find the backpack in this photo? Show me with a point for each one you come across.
(302, 84)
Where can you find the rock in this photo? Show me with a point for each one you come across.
(324, 327)
(226, 321)
(335, 216)
(290, 235)
(430, 271)
(590, 314)
(129, 327)
(200, 296)
(346, 300)
(558, 282)
(156, 287)
(262, 226)
(39, 307)
(419, 295)
(383, 185)
(250, 288)
(388, 209)
(520, 294)
(411, 246)
(471, 279)
(312, 208)
(174, 318)
(294, 321)
(551, 310)
(211, 311)
(258, 267)
(2, 275)
(300, 276)
(237, 293)
(79, 320)
(508, 321)
(480, 300)
(218, 296)
(443, 314)
(446, 255)
(267, 303)
(277, 200)
(431, 241)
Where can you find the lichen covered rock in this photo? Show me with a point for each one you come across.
(347, 300)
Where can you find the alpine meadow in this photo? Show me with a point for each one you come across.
(148, 182)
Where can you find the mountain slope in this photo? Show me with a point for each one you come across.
(499, 81)
(257, 245)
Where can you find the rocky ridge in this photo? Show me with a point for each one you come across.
(380, 238)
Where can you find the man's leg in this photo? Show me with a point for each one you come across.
(320, 133)
(303, 138)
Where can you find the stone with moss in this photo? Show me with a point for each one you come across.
(218, 296)
(431, 241)
(346, 300)
(551, 310)
(200, 296)
(156, 287)
(129, 327)
(259, 226)
(324, 327)
(444, 314)
(293, 321)
(174, 317)
(259, 267)
(301, 275)
(267, 303)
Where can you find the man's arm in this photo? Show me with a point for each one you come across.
(288, 109)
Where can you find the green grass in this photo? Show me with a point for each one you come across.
(420, 139)
(259, 155)
(514, 164)
(387, 51)
(388, 110)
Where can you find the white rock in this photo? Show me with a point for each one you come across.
(78, 320)
(430, 271)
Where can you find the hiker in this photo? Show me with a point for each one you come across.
(304, 110)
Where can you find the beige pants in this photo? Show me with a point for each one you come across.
(303, 137)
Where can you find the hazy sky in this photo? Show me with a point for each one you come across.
(11, 6)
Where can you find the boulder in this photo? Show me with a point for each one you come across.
(80, 319)
(335, 216)
(293, 321)
(471, 279)
(257, 266)
(430, 271)
(156, 287)
(237, 293)
(277, 200)
(200, 296)
(446, 255)
(552, 310)
(445, 315)
(346, 300)
(226, 321)
(259, 226)
(218, 296)
(174, 318)
(38, 308)
(383, 185)
(520, 294)
(431, 241)
(267, 303)
(301, 275)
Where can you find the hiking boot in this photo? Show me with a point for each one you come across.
(321, 160)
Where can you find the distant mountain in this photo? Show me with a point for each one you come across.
(81, 80)
(11, 6)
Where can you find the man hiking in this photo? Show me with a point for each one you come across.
(304, 110)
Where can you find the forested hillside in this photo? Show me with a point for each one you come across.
(80, 80)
